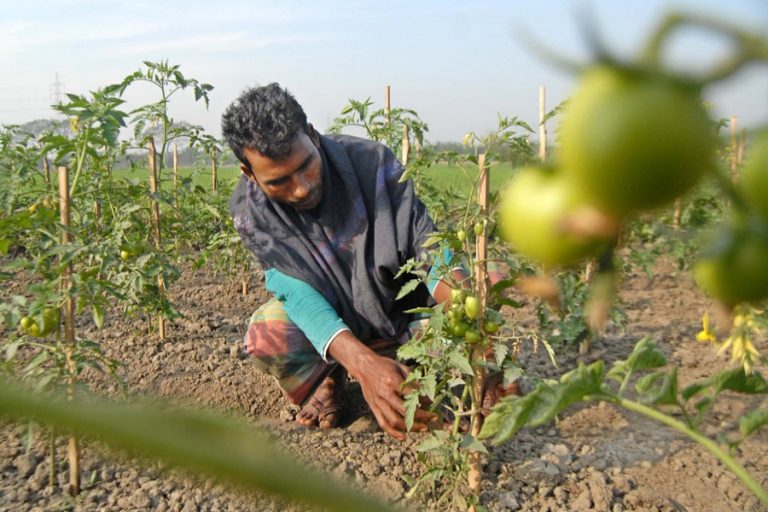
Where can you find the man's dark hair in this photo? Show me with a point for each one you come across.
(267, 119)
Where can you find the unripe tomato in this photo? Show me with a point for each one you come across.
(124, 255)
(461, 235)
(491, 327)
(479, 226)
(458, 295)
(33, 329)
(472, 307)
(754, 178)
(532, 209)
(734, 267)
(454, 315)
(635, 140)
(25, 322)
(50, 320)
(472, 336)
(459, 329)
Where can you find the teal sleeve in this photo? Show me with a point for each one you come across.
(435, 273)
(307, 308)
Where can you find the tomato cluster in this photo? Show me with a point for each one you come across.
(733, 267)
(630, 140)
(41, 325)
(634, 139)
(464, 316)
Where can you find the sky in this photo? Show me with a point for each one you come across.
(459, 64)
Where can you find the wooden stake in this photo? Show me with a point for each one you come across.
(387, 109)
(214, 171)
(406, 145)
(478, 353)
(175, 177)
(68, 312)
(156, 225)
(244, 280)
(47, 171)
(734, 147)
(677, 216)
(542, 124)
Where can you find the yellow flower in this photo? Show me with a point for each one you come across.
(706, 334)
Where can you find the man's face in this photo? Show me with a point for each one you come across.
(294, 180)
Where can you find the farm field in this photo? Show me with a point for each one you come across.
(595, 457)
(567, 324)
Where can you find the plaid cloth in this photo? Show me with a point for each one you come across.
(279, 348)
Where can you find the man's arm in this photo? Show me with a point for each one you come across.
(381, 380)
(380, 377)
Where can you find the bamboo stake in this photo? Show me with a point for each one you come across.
(478, 353)
(68, 311)
(677, 216)
(214, 171)
(47, 171)
(740, 151)
(406, 145)
(244, 280)
(542, 124)
(387, 109)
(175, 177)
(734, 147)
(156, 226)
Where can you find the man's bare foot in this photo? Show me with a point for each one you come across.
(324, 408)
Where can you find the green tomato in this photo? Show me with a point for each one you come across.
(635, 140)
(50, 320)
(531, 211)
(472, 307)
(25, 322)
(459, 329)
(461, 235)
(33, 329)
(472, 336)
(124, 255)
(754, 178)
(491, 327)
(734, 267)
(458, 295)
(479, 226)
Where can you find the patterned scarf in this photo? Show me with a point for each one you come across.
(352, 245)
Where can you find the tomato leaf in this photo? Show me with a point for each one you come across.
(408, 288)
(753, 421)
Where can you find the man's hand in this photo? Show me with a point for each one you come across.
(381, 380)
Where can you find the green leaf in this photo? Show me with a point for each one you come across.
(658, 388)
(753, 421)
(204, 443)
(472, 444)
(737, 380)
(98, 315)
(460, 362)
(645, 356)
(36, 361)
(430, 443)
(411, 403)
(408, 288)
(429, 386)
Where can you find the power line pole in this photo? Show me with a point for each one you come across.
(56, 89)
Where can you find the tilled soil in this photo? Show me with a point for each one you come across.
(596, 457)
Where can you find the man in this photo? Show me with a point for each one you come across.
(331, 224)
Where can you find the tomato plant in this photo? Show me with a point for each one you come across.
(754, 177)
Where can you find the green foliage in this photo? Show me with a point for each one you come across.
(200, 442)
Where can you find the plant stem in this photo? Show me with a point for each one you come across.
(704, 441)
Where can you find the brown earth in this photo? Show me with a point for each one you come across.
(596, 457)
